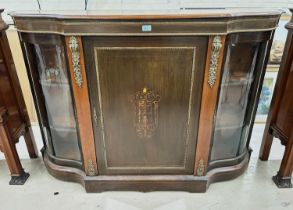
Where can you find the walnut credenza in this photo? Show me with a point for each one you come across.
(280, 117)
(14, 120)
(146, 100)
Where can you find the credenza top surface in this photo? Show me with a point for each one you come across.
(148, 14)
(159, 22)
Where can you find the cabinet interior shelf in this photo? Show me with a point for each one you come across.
(54, 84)
(237, 82)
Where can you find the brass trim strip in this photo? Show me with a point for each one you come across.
(95, 116)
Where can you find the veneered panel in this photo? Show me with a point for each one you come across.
(146, 103)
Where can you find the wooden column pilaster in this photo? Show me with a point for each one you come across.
(81, 98)
(211, 83)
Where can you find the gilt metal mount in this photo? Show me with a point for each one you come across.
(215, 54)
(75, 57)
(200, 168)
(90, 168)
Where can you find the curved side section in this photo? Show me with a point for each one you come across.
(229, 172)
(146, 183)
(64, 162)
(63, 172)
(228, 162)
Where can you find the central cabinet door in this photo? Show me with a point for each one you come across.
(145, 98)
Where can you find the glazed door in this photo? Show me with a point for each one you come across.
(145, 98)
(243, 70)
(54, 101)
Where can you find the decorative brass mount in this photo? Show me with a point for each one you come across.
(215, 53)
(74, 48)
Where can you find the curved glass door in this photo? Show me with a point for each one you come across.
(53, 79)
(235, 99)
(55, 103)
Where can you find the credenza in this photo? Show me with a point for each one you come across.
(146, 100)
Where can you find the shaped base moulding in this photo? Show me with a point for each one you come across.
(146, 183)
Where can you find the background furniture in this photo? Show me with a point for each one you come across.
(146, 101)
(280, 118)
(14, 121)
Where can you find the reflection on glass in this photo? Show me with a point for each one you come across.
(237, 81)
(54, 82)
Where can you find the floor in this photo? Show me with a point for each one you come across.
(254, 190)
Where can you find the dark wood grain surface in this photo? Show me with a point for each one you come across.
(180, 22)
(118, 69)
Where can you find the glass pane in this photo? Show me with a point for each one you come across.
(55, 87)
(237, 82)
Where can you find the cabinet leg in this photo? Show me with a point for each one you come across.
(266, 146)
(282, 181)
(19, 180)
(283, 177)
(18, 175)
(30, 143)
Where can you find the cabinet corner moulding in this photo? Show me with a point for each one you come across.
(75, 58)
(215, 54)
